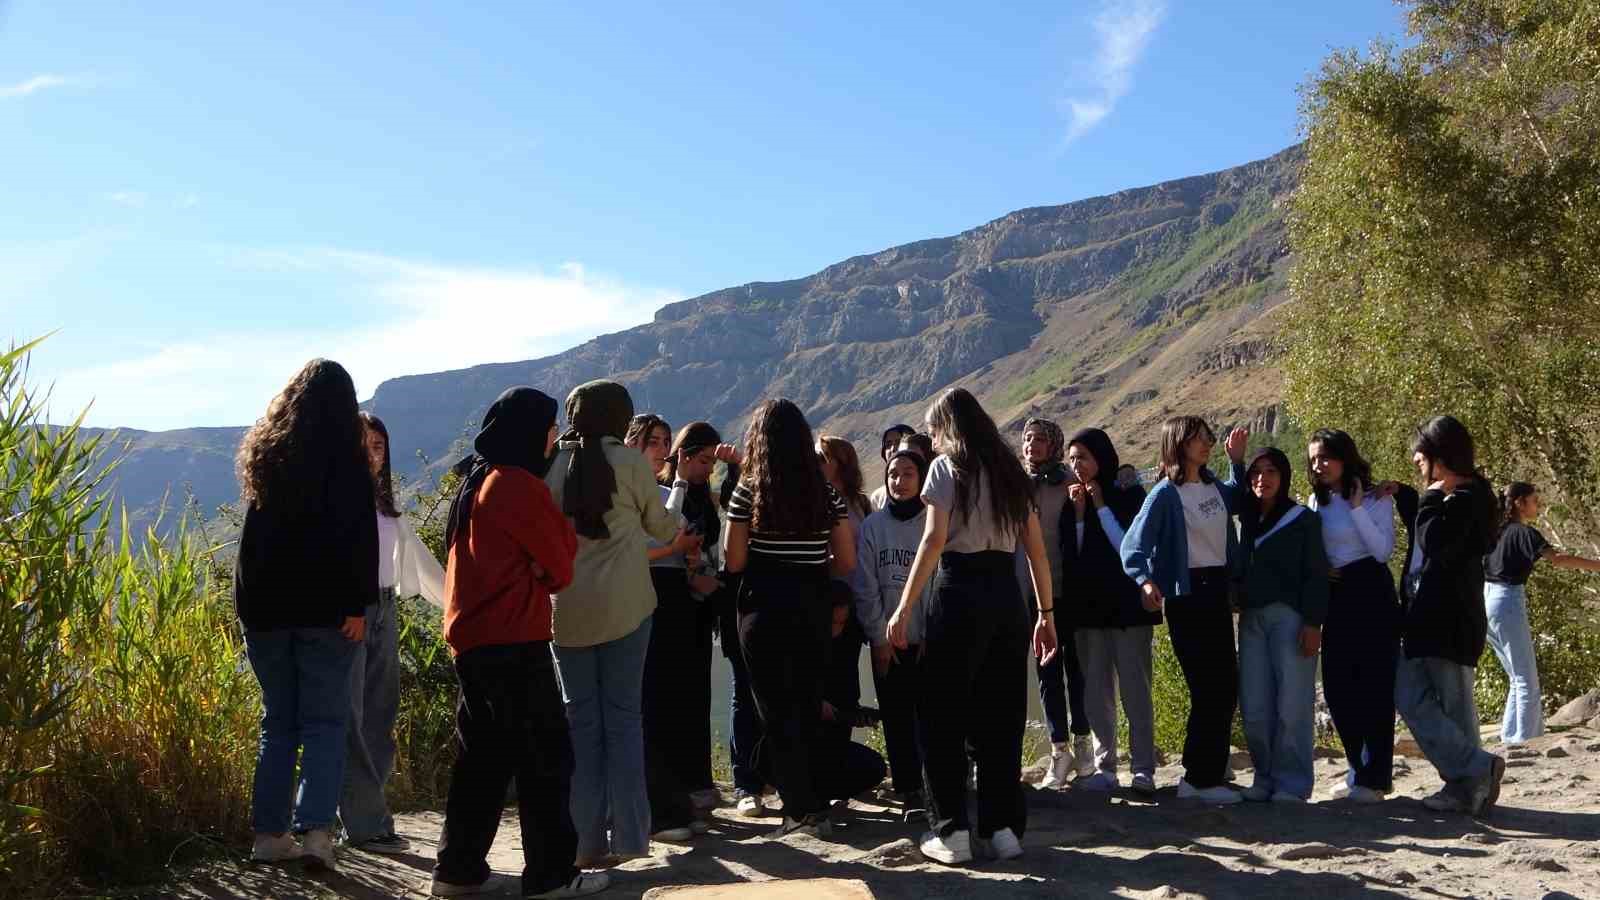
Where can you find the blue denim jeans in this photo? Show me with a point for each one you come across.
(1434, 697)
(1512, 641)
(1277, 691)
(603, 688)
(305, 703)
(374, 706)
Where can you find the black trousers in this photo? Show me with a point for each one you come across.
(676, 700)
(972, 687)
(510, 722)
(1201, 625)
(1360, 650)
(1061, 689)
(784, 622)
(897, 703)
(844, 767)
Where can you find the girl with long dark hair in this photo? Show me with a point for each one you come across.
(1505, 601)
(1182, 549)
(406, 568)
(650, 434)
(1112, 629)
(509, 548)
(972, 687)
(603, 618)
(1284, 600)
(309, 508)
(1443, 628)
(1361, 637)
(788, 529)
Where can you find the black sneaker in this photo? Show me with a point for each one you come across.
(390, 844)
(814, 825)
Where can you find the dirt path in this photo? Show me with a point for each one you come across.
(1542, 841)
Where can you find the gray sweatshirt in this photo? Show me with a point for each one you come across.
(885, 549)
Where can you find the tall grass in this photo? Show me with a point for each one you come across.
(128, 712)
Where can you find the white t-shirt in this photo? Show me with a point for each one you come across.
(1205, 518)
(972, 531)
(388, 535)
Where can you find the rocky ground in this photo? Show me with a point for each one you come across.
(1542, 841)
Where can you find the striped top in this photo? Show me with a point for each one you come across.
(807, 549)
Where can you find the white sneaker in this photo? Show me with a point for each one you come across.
(583, 885)
(1060, 768)
(317, 850)
(1341, 790)
(952, 850)
(1288, 799)
(673, 835)
(1363, 795)
(1143, 784)
(1099, 781)
(494, 884)
(1257, 793)
(1213, 796)
(1083, 755)
(750, 805)
(1004, 845)
(272, 848)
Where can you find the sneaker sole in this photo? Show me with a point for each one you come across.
(385, 849)
(1497, 771)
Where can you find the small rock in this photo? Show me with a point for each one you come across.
(1523, 856)
(894, 854)
(1521, 753)
(1408, 746)
(1518, 763)
(1577, 712)
(1164, 892)
(1401, 876)
(1240, 759)
(1315, 850)
(1576, 779)
(1592, 747)
(1594, 724)
(1509, 779)
(1480, 837)
(1557, 752)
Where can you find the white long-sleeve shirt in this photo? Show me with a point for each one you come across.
(1351, 534)
(409, 563)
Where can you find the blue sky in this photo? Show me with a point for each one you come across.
(202, 196)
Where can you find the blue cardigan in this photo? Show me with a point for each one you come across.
(1156, 546)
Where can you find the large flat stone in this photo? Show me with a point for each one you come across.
(800, 889)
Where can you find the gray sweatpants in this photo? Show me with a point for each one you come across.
(1113, 660)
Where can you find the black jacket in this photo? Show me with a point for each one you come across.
(309, 569)
(1444, 616)
(1099, 593)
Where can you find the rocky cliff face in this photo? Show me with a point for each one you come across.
(1114, 311)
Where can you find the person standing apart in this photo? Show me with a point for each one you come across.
(406, 568)
(1505, 601)
(1361, 637)
(1182, 550)
(309, 508)
(602, 619)
(1113, 630)
(509, 547)
(971, 683)
(1285, 599)
(1444, 627)
(788, 530)
(1061, 679)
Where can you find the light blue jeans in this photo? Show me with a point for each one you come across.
(603, 688)
(1512, 640)
(305, 703)
(1277, 693)
(1434, 697)
(374, 706)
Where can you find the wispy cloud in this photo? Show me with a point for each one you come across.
(134, 199)
(1122, 31)
(37, 83)
(424, 317)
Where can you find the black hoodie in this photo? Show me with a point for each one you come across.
(1098, 592)
(1444, 617)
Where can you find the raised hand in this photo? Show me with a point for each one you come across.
(1238, 441)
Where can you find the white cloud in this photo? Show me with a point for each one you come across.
(1122, 32)
(133, 199)
(424, 317)
(37, 83)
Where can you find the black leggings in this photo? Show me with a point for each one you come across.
(677, 700)
(1201, 625)
(1360, 650)
(972, 687)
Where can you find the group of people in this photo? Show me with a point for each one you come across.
(592, 570)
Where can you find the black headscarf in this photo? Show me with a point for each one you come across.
(906, 510)
(513, 434)
(1124, 502)
(595, 411)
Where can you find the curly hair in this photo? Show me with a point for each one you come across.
(842, 454)
(979, 455)
(787, 491)
(311, 434)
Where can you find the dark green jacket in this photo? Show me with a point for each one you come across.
(1289, 566)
